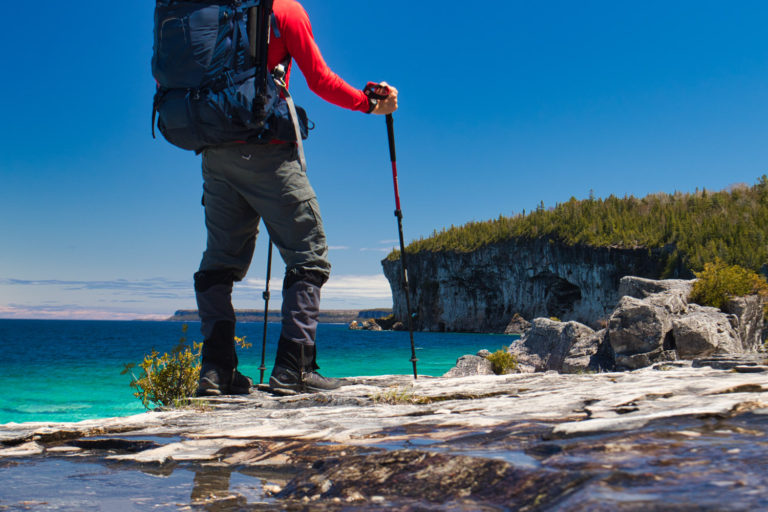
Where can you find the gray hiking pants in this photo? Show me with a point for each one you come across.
(241, 185)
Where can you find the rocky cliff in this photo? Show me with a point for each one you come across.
(480, 291)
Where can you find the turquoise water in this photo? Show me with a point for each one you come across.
(70, 370)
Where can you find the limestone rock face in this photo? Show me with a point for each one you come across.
(640, 288)
(584, 354)
(749, 311)
(549, 344)
(480, 291)
(517, 325)
(638, 326)
(704, 332)
(654, 322)
(470, 365)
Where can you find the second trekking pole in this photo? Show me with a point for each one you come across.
(266, 312)
(399, 215)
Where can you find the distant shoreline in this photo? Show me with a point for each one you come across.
(329, 316)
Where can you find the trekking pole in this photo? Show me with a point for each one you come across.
(370, 89)
(258, 23)
(266, 312)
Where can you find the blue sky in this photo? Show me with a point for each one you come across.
(503, 104)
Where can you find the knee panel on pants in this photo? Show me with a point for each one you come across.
(295, 275)
(205, 279)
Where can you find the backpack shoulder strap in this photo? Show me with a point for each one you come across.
(278, 75)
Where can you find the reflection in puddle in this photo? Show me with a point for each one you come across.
(58, 484)
(516, 458)
(214, 488)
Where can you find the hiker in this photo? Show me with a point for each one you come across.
(247, 182)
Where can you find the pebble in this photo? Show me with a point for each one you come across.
(271, 488)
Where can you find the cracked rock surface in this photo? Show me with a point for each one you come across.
(670, 437)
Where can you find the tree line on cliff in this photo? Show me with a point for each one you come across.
(700, 227)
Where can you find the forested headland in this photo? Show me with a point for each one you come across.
(698, 228)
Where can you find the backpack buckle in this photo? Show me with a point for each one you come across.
(278, 74)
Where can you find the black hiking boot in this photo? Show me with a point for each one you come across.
(214, 380)
(241, 385)
(295, 370)
(218, 375)
(217, 381)
(285, 379)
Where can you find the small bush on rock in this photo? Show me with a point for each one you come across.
(502, 362)
(719, 282)
(168, 380)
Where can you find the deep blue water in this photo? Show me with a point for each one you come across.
(70, 370)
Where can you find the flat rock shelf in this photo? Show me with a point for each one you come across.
(668, 437)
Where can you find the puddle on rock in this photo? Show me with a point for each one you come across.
(685, 464)
(67, 485)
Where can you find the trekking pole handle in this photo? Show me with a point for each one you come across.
(370, 91)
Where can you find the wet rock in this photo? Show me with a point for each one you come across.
(750, 369)
(548, 343)
(517, 325)
(355, 325)
(433, 478)
(470, 365)
(676, 435)
(22, 450)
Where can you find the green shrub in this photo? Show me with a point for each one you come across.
(719, 282)
(693, 228)
(168, 380)
(502, 362)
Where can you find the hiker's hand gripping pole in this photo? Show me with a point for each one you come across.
(374, 90)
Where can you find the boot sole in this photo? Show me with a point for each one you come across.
(279, 388)
(283, 389)
(208, 392)
(240, 391)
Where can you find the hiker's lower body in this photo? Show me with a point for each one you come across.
(242, 185)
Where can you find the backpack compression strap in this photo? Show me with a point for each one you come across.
(261, 18)
(279, 74)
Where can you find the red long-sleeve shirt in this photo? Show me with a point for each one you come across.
(296, 40)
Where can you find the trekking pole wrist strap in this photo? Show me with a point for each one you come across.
(372, 103)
